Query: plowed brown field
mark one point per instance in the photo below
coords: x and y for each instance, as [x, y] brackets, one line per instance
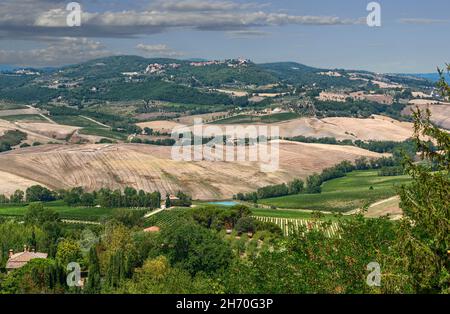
[151, 168]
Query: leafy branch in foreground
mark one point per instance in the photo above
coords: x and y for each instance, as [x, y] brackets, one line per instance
[424, 234]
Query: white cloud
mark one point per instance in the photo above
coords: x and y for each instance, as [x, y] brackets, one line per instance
[58, 52]
[422, 21]
[198, 5]
[246, 34]
[159, 50]
[48, 18]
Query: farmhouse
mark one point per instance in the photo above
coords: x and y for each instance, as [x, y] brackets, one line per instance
[19, 260]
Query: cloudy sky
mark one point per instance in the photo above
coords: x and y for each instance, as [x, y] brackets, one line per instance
[413, 36]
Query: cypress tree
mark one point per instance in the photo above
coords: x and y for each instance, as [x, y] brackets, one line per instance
[94, 280]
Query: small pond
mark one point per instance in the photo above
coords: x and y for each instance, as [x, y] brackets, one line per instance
[224, 203]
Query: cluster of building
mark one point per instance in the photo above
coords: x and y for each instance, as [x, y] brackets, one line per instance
[230, 62]
[26, 72]
[156, 68]
[206, 63]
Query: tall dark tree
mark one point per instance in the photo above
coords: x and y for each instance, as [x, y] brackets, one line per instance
[94, 278]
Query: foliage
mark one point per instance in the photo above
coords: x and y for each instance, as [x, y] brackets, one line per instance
[93, 285]
[14, 235]
[246, 224]
[68, 251]
[313, 263]
[158, 276]
[424, 237]
[38, 215]
[195, 249]
[11, 138]
[37, 193]
[36, 277]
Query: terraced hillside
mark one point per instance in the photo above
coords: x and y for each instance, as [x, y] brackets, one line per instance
[151, 168]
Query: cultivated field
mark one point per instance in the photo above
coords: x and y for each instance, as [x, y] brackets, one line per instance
[376, 128]
[151, 168]
[357, 189]
[440, 113]
[64, 211]
[49, 130]
[390, 206]
[32, 134]
[162, 126]
[25, 111]
[290, 225]
[165, 218]
[189, 120]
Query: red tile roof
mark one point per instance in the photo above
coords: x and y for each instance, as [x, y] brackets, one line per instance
[152, 229]
[19, 260]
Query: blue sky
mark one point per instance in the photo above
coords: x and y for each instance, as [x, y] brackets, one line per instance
[322, 33]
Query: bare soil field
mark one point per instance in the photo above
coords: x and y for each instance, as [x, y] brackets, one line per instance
[155, 115]
[440, 113]
[50, 130]
[376, 128]
[162, 126]
[32, 135]
[236, 93]
[390, 206]
[151, 168]
[10, 182]
[189, 120]
[15, 112]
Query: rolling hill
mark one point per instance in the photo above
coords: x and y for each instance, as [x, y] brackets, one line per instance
[135, 78]
[151, 168]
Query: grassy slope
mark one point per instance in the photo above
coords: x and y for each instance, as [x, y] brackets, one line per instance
[291, 214]
[65, 212]
[343, 194]
[89, 127]
[25, 117]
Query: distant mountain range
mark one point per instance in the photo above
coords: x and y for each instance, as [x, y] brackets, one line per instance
[127, 78]
[11, 68]
[7, 67]
[434, 77]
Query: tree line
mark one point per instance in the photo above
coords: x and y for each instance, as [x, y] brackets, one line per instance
[11, 138]
[314, 182]
[392, 147]
[106, 198]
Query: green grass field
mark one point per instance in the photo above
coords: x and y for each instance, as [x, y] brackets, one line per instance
[11, 106]
[343, 194]
[291, 214]
[25, 117]
[166, 218]
[75, 121]
[89, 127]
[248, 119]
[65, 212]
[103, 132]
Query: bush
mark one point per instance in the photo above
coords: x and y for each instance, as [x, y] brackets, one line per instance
[37, 193]
[246, 224]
